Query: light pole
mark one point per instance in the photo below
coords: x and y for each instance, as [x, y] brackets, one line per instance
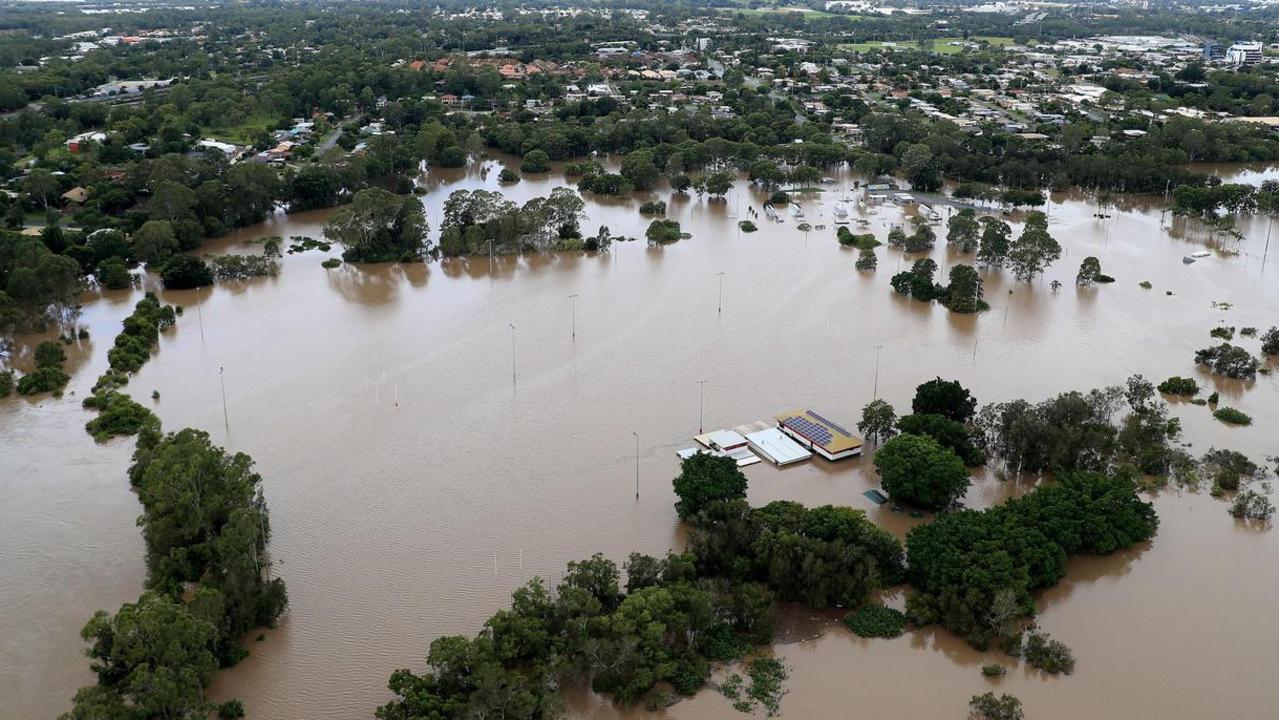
[876, 391]
[573, 301]
[512, 353]
[226, 419]
[719, 307]
[701, 394]
[636, 464]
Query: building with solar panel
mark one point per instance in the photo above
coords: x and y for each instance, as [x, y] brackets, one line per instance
[826, 438]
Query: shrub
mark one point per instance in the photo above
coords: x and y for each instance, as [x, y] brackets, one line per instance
[779, 198]
[508, 176]
[1270, 342]
[113, 275]
[1229, 360]
[1231, 416]
[1051, 656]
[183, 272]
[994, 670]
[1176, 385]
[1252, 505]
[866, 260]
[876, 621]
[43, 380]
[1225, 333]
[119, 414]
[989, 707]
[6, 383]
[661, 232]
[654, 207]
[1145, 284]
[49, 354]
[331, 263]
[230, 710]
[747, 226]
[243, 267]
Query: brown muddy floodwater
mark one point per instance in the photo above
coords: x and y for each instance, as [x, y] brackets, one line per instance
[413, 484]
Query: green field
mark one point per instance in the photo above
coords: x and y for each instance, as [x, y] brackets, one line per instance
[943, 46]
[242, 133]
[808, 13]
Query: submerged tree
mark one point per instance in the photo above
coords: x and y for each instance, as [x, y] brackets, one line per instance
[963, 230]
[994, 242]
[379, 226]
[878, 421]
[964, 294]
[1034, 250]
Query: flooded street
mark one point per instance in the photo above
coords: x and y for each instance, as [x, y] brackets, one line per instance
[421, 458]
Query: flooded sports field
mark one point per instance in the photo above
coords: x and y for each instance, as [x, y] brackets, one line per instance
[432, 435]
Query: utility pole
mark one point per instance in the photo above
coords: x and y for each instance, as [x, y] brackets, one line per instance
[701, 394]
[636, 464]
[512, 353]
[720, 302]
[876, 391]
[226, 419]
[199, 313]
[573, 301]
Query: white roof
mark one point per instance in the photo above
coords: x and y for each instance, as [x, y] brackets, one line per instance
[778, 448]
[726, 439]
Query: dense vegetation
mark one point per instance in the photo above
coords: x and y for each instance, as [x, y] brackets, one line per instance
[208, 583]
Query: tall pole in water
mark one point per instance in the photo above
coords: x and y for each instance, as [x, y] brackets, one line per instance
[719, 307]
[876, 391]
[226, 419]
[636, 464]
[701, 394]
[512, 353]
[573, 300]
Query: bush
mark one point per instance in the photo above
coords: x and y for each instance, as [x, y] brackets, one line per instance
[1225, 333]
[118, 414]
[876, 621]
[994, 670]
[230, 710]
[43, 380]
[779, 198]
[49, 354]
[535, 161]
[747, 226]
[863, 241]
[243, 267]
[917, 470]
[331, 263]
[1229, 360]
[1176, 385]
[989, 707]
[6, 383]
[661, 232]
[508, 176]
[1145, 284]
[1051, 656]
[1252, 505]
[183, 272]
[866, 260]
[1231, 416]
[655, 207]
[1270, 342]
[113, 275]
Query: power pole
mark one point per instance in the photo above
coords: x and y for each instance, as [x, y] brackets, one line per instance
[512, 353]
[226, 419]
[876, 391]
[636, 464]
[719, 308]
[701, 404]
[573, 301]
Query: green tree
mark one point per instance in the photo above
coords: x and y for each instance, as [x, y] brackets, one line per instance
[183, 272]
[963, 230]
[1034, 250]
[640, 171]
[535, 161]
[964, 294]
[113, 274]
[704, 479]
[994, 242]
[878, 421]
[916, 470]
[946, 398]
[379, 226]
[154, 242]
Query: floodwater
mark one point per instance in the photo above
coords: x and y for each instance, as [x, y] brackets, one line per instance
[422, 458]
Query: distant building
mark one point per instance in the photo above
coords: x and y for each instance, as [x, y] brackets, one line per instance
[1214, 50]
[703, 44]
[1241, 54]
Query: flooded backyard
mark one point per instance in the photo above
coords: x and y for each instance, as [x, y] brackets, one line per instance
[422, 458]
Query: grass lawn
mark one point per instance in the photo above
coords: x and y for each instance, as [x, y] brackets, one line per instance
[942, 46]
[808, 14]
[242, 133]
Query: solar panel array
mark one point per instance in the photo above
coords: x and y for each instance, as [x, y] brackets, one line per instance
[821, 419]
[809, 429]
